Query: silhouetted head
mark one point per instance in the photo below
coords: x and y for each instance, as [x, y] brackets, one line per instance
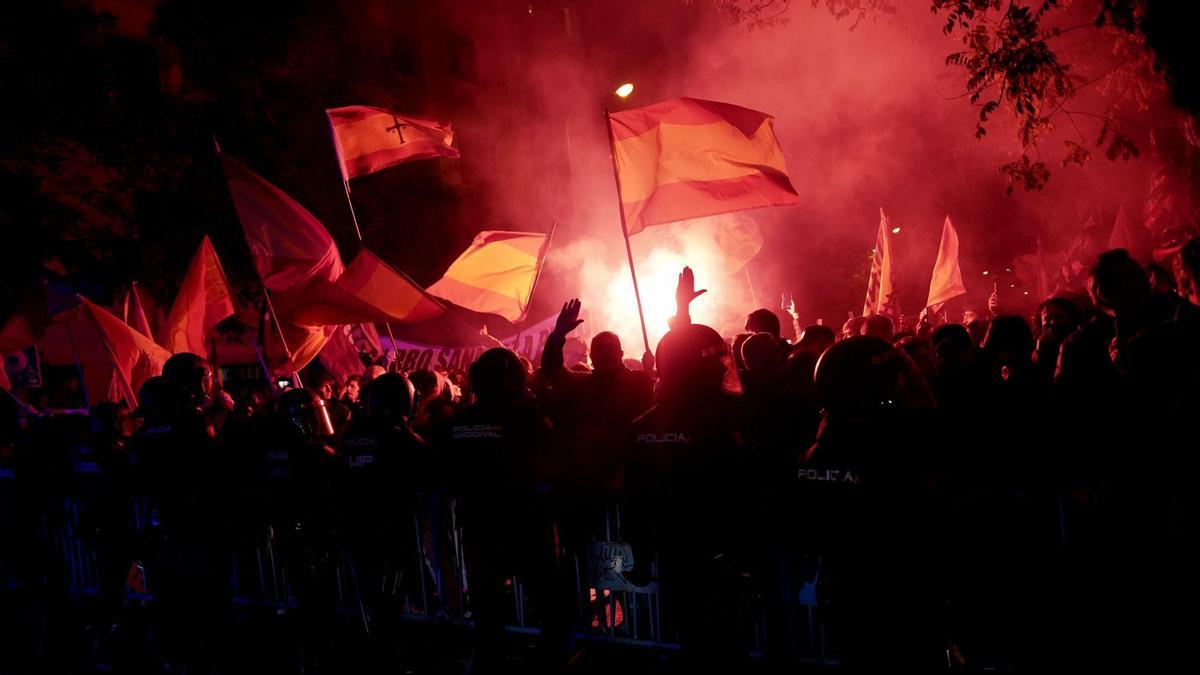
[865, 375]
[152, 397]
[190, 377]
[853, 326]
[1059, 317]
[691, 361]
[1117, 282]
[325, 385]
[760, 353]
[498, 376]
[1009, 340]
[606, 352]
[878, 325]
[353, 388]
[763, 321]
[390, 396]
[815, 338]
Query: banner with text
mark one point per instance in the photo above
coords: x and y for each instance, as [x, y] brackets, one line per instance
[416, 356]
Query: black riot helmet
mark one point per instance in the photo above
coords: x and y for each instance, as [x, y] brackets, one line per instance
[866, 374]
[191, 378]
[303, 411]
[692, 359]
[390, 396]
[497, 376]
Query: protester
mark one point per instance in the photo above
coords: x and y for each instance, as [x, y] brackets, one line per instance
[922, 490]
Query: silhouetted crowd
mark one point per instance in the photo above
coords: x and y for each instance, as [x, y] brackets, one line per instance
[1017, 493]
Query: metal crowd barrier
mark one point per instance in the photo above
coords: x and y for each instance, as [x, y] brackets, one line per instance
[608, 608]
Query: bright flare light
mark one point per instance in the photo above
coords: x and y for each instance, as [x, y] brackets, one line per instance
[625, 90]
[895, 230]
[658, 273]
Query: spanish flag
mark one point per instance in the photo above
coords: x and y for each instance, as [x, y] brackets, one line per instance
[371, 139]
[368, 291]
[495, 274]
[688, 158]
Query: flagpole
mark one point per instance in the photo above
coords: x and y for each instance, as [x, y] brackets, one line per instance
[350, 202]
[258, 345]
[753, 295]
[282, 339]
[537, 275]
[353, 215]
[637, 294]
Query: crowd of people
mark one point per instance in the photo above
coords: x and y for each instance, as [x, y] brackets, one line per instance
[1012, 493]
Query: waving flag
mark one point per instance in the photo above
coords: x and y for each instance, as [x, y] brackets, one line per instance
[370, 139]
[288, 244]
[495, 274]
[290, 248]
[947, 282]
[881, 289]
[203, 301]
[688, 158]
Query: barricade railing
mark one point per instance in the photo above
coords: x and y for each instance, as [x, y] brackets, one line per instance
[431, 579]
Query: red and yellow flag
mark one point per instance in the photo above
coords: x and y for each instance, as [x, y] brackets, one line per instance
[203, 301]
[947, 282]
[688, 158]
[495, 274]
[370, 139]
[374, 282]
[881, 288]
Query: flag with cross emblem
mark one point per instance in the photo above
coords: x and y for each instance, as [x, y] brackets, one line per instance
[370, 139]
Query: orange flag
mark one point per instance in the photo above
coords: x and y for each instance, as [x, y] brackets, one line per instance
[495, 274]
[116, 359]
[288, 244]
[203, 301]
[688, 158]
[370, 139]
[947, 282]
[881, 289]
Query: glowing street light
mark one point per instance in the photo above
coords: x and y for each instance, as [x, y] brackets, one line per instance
[895, 230]
[624, 90]
[985, 273]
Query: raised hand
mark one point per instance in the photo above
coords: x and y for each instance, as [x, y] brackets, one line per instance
[789, 306]
[568, 318]
[685, 290]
